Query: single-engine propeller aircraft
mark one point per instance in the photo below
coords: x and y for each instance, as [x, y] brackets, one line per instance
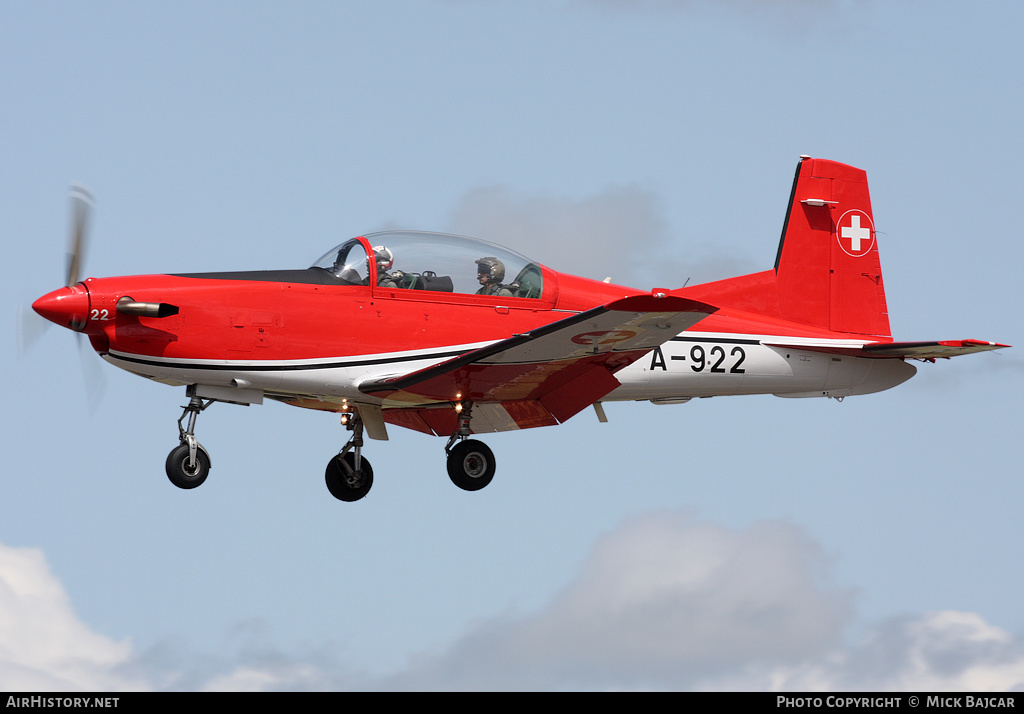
[454, 336]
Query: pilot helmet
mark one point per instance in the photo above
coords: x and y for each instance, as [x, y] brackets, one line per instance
[493, 268]
[384, 257]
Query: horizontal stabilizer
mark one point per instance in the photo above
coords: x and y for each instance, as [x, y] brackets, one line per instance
[892, 350]
[930, 350]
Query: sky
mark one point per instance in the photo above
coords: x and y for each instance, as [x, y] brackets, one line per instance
[748, 543]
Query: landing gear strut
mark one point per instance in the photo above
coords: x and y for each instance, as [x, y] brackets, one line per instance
[188, 464]
[349, 476]
[470, 462]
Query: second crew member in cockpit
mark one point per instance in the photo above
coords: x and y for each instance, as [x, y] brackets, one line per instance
[489, 273]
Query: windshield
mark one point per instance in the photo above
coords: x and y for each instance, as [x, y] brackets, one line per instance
[414, 260]
[346, 261]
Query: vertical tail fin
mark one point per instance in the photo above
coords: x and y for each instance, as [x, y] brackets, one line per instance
[827, 271]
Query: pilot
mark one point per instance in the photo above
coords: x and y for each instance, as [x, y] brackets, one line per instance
[489, 273]
[385, 259]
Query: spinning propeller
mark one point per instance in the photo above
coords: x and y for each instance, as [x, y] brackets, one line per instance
[81, 208]
[68, 306]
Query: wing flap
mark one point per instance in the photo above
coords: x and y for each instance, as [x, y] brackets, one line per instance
[487, 418]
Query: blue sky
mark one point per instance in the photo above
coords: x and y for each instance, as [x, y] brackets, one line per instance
[749, 543]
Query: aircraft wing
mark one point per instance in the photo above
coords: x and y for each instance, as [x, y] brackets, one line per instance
[906, 350]
[543, 376]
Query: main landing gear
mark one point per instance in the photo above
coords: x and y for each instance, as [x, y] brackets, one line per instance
[188, 464]
[470, 462]
[349, 476]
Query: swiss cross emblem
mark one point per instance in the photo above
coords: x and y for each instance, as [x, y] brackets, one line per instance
[856, 233]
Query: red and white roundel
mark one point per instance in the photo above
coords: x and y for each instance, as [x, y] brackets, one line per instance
[605, 337]
[856, 233]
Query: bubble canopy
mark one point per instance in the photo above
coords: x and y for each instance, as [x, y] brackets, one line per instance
[432, 261]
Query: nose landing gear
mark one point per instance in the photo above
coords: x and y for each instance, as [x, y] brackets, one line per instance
[188, 464]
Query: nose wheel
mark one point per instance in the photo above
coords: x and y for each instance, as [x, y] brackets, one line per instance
[185, 470]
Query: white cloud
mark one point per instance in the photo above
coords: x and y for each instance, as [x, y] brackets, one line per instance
[937, 651]
[664, 601]
[284, 675]
[43, 645]
[670, 602]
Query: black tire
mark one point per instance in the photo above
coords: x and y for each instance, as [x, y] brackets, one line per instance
[337, 475]
[471, 465]
[178, 470]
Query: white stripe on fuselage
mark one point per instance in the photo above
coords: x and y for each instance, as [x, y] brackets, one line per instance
[692, 364]
[328, 376]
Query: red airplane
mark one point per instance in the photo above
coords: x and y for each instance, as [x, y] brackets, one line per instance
[454, 336]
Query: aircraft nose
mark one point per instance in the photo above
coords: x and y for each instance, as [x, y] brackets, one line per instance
[68, 307]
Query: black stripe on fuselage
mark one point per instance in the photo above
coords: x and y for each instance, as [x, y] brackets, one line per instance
[240, 367]
[719, 340]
